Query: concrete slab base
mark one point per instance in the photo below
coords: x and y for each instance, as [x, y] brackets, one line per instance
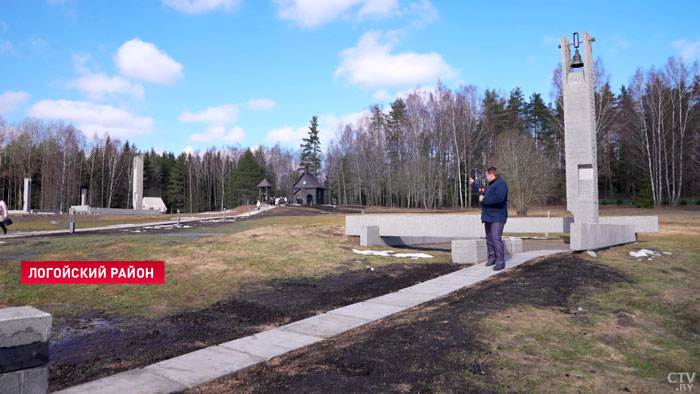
[592, 236]
[469, 251]
[369, 236]
[26, 381]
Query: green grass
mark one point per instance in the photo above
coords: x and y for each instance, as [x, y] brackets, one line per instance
[637, 332]
[198, 272]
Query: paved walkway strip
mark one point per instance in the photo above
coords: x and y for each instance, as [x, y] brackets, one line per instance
[171, 222]
[192, 369]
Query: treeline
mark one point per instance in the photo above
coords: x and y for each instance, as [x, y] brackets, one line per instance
[60, 161]
[422, 151]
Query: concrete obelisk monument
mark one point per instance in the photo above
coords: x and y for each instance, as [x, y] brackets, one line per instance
[138, 182]
[578, 85]
[578, 90]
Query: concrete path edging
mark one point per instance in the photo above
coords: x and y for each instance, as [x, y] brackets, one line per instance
[194, 368]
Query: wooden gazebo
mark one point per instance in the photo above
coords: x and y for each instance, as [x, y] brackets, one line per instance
[264, 190]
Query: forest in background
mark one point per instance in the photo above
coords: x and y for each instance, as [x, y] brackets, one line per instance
[419, 152]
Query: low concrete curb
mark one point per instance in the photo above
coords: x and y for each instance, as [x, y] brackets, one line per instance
[195, 368]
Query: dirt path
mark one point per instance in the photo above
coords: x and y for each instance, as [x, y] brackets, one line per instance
[437, 347]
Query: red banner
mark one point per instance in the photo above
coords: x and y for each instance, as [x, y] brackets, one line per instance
[93, 272]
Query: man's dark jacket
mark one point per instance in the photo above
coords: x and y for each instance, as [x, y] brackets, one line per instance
[494, 207]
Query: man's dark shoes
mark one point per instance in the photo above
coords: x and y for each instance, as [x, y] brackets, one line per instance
[499, 267]
[490, 263]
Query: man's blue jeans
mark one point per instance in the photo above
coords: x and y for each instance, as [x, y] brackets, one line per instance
[494, 231]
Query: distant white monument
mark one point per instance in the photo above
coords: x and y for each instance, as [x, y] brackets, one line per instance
[138, 182]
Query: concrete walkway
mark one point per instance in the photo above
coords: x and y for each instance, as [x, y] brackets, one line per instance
[195, 368]
[171, 222]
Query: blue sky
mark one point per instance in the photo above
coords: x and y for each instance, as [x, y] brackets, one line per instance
[189, 74]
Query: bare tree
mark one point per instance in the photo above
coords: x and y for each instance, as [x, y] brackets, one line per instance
[525, 168]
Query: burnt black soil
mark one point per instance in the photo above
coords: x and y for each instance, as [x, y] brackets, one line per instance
[94, 346]
[437, 347]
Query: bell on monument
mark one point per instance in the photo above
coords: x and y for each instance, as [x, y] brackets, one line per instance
[577, 62]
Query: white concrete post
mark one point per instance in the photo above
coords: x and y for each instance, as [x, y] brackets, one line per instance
[138, 182]
[83, 197]
[27, 194]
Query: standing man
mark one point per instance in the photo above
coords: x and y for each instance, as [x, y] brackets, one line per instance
[494, 213]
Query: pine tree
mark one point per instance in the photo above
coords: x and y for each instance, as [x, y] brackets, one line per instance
[243, 183]
[175, 192]
[311, 149]
[515, 111]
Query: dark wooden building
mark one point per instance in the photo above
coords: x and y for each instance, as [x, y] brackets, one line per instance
[307, 190]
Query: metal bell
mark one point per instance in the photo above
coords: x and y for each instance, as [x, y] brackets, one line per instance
[577, 62]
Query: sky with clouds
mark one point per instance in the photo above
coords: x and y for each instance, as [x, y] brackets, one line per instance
[185, 75]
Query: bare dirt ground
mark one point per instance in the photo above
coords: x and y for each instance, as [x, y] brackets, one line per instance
[437, 347]
[93, 346]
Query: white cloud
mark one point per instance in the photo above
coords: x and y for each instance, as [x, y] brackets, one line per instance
[261, 104]
[425, 12]
[287, 134]
[422, 91]
[370, 64]
[202, 6]
[381, 95]
[6, 46]
[143, 60]
[219, 134]
[221, 115]
[93, 118]
[97, 86]
[9, 101]
[328, 125]
[314, 13]
[689, 50]
[188, 150]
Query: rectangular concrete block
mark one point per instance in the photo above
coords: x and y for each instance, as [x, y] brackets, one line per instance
[513, 245]
[367, 310]
[469, 251]
[642, 224]
[271, 343]
[418, 225]
[11, 382]
[325, 325]
[203, 365]
[369, 236]
[592, 236]
[23, 325]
